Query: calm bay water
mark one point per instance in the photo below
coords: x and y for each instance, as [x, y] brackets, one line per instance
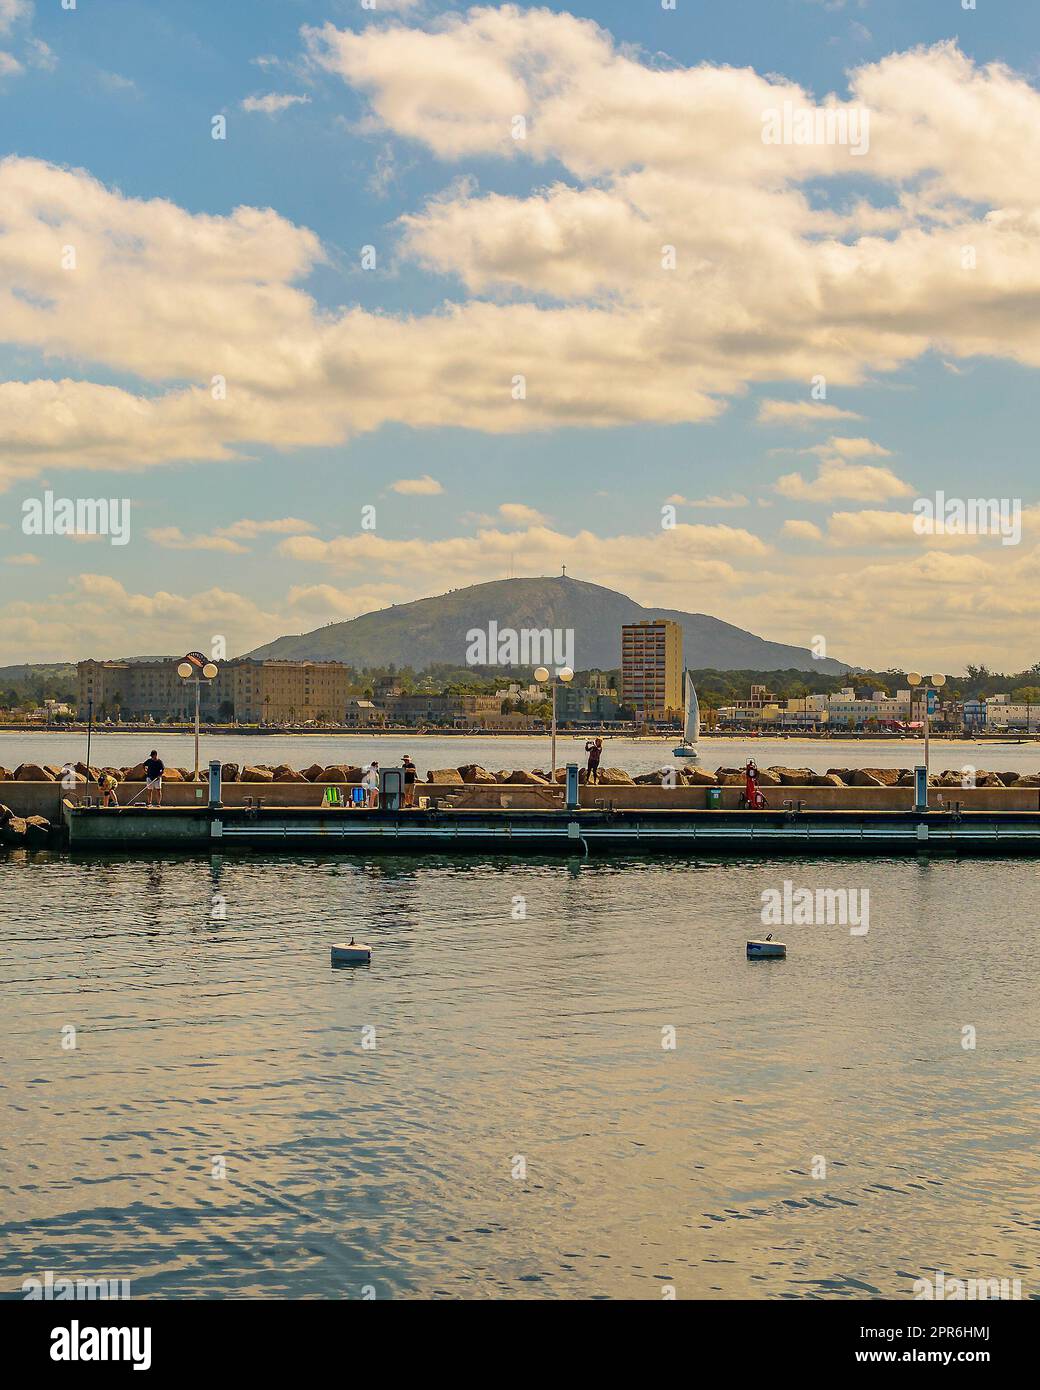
[200, 1038]
[631, 754]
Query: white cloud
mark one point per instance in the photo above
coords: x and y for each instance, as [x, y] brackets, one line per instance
[802, 414]
[802, 530]
[26, 558]
[417, 487]
[735, 499]
[172, 538]
[12, 11]
[274, 102]
[834, 480]
[518, 514]
[769, 285]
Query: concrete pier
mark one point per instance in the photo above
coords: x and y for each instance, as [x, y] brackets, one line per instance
[583, 832]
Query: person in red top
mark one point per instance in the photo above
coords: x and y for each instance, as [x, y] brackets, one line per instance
[752, 795]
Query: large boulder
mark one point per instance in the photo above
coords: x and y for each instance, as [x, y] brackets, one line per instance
[229, 772]
[37, 830]
[614, 777]
[314, 772]
[329, 774]
[450, 775]
[473, 772]
[697, 777]
[33, 772]
[729, 779]
[134, 774]
[5, 814]
[12, 831]
[769, 779]
[843, 772]
[53, 769]
[115, 772]
[1031, 779]
[859, 777]
[4, 774]
[1008, 779]
[520, 778]
[256, 774]
[174, 774]
[884, 776]
[826, 779]
[793, 776]
[289, 775]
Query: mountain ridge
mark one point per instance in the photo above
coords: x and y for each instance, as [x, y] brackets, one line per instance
[433, 630]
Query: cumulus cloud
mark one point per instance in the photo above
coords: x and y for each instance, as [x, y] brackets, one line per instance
[681, 259]
[834, 480]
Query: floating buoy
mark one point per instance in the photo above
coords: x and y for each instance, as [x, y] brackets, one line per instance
[767, 949]
[351, 953]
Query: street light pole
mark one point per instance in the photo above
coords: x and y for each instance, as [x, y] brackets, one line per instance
[566, 675]
[195, 667]
[914, 679]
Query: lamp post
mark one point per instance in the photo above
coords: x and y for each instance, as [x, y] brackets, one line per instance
[927, 683]
[196, 668]
[566, 675]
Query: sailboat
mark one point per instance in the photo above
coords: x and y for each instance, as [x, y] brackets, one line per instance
[691, 724]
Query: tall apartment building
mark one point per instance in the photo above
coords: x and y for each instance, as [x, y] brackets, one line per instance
[252, 692]
[652, 667]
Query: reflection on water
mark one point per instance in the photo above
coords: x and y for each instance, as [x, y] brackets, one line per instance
[505, 1040]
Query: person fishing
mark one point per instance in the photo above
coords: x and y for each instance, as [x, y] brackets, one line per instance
[107, 786]
[154, 767]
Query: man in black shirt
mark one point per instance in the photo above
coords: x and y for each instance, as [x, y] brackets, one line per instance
[409, 780]
[154, 767]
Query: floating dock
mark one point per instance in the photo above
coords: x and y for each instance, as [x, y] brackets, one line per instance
[583, 832]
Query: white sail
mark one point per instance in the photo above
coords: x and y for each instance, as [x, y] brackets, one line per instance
[692, 722]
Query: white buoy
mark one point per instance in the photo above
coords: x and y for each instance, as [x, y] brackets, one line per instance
[767, 949]
[351, 953]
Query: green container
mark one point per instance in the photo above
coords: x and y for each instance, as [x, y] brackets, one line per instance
[714, 798]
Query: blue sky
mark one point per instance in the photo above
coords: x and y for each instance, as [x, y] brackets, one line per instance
[126, 93]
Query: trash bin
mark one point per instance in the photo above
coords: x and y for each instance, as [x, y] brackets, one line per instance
[714, 798]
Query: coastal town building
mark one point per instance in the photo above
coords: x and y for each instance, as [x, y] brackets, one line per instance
[249, 691]
[1001, 712]
[363, 714]
[652, 668]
